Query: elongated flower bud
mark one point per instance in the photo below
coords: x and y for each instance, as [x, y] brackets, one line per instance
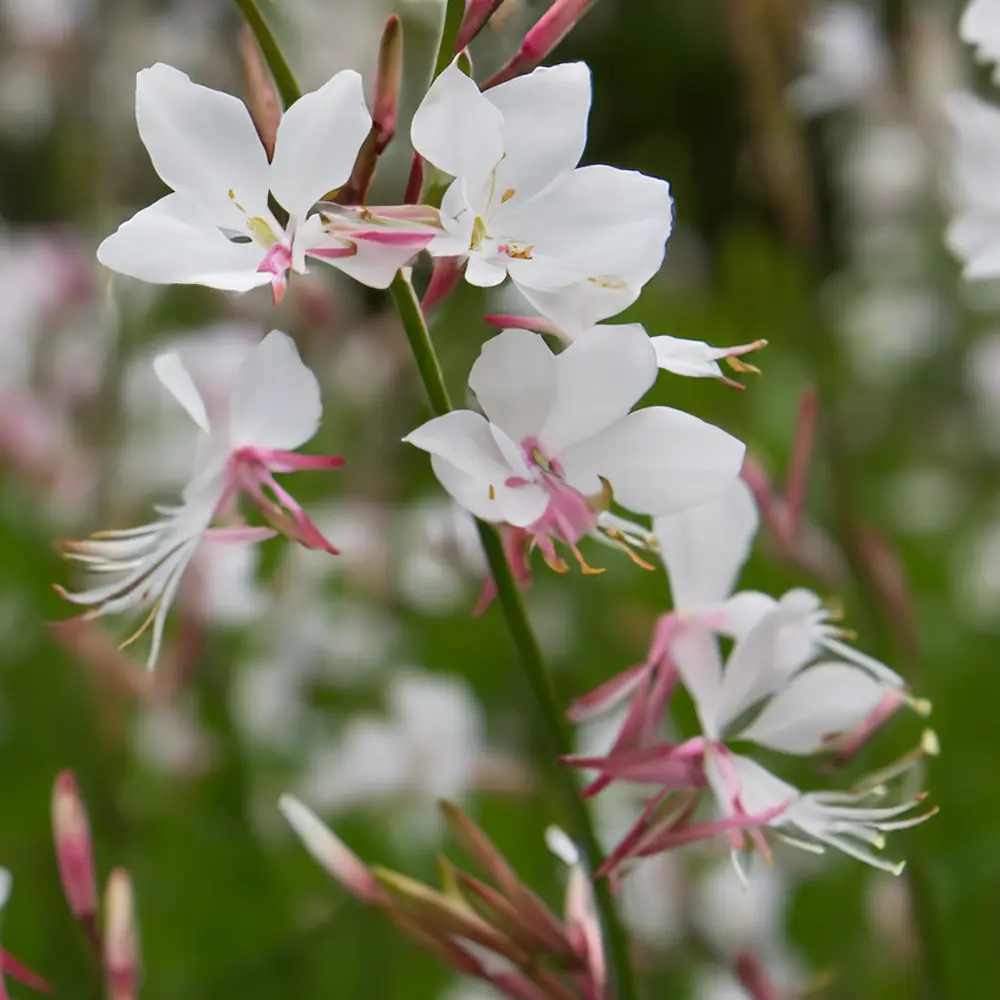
[262, 99]
[476, 15]
[550, 29]
[339, 862]
[121, 943]
[388, 81]
[74, 851]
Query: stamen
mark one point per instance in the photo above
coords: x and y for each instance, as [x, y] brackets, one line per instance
[142, 628]
[507, 195]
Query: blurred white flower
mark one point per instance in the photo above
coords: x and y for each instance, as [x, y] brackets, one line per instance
[924, 501]
[846, 58]
[44, 23]
[228, 591]
[975, 568]
[27, 98]
[886, 166]
[980, 26]
[423, 749]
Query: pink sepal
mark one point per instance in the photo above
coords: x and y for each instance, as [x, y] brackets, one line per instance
[10, 966]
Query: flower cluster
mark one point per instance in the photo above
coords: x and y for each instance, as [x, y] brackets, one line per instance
[791, 683]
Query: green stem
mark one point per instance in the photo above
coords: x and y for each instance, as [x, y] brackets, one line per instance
[284, 78]
[621, 975]
[453, 15]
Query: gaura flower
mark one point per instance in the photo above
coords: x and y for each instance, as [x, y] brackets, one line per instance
[217, 228]
[558, 440]
[761, 698]
[569, 237]
[274, 407]
[974, 232]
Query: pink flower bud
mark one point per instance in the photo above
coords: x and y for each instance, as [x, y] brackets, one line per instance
[74, 852]
[550, 29]
[388, 80]
[753, 978]
[477, 14]
[262, 98]
[121, 945]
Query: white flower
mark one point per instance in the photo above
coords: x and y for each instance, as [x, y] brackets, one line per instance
[846, 55]
[980, 26]
[216, 229]
[273, 408]
[579, 242]
[704, 550]
[558, 437]
[974, 233]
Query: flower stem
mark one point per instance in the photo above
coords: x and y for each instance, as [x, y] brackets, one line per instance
[622, 979]
[453, 15]
[284, 78]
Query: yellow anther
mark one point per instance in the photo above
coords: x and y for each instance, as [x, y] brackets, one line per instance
[493, 493]
[507, 195]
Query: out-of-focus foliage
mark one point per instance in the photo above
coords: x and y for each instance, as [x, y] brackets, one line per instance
[363, 683]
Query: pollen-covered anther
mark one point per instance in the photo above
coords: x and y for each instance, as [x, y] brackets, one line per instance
[518, 251]
[507, 195]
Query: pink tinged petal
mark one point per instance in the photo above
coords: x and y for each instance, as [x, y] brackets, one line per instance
[705, 547]
[544, 126]
[203, 144]
[74, 849]
[457, 129]
[177, 380]
[275, 400]
[607, 695]
[667, 765]
[463, 438]
[696, 653]
[318, 141]
[175, 241]
[693, 358]
[466, 490]
[819, 703]
[658, 461]
[242, 534]
[514, 379]
[600, 377]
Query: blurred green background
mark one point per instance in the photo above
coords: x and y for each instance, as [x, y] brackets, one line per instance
[806, 155]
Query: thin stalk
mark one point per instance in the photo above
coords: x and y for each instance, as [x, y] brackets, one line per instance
[453, 15]
[622, 978]
[284, 78]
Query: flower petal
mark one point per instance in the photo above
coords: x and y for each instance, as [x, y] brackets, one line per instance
[658, 461]
[177, 380]
[318, 141]
[704, 547]
[466, 490]
[818, 703]
[463, 438]
[484, 273]
[174, 241]
[577, 307]
[514, 379]
[457, 129]
[203, 144]
[275, 401]
[597, 223]
[696, 653]
[601, 377]
[544, 126]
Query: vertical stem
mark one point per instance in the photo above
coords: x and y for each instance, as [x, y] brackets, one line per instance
[622, 979]
[284, 78]
[453, 15]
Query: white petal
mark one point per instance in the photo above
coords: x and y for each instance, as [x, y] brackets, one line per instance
[596, 223]
[468, 491]
[522, 505]
[484, 273]
[601, 376]
[980, 26]
[373, 264]
[743, 610]
[318, 141]
[275, 401]
[579, 306]
[457, 129]
[544, 126]
[696, 653]
[693, 358]
[752, 671]
[759, 789]
[704, 547]
[202, 143]
[658, 461]
[820, 702]
[175, 242]
[177, 380]
[514, 379]
[6, 884]
[463, 439]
